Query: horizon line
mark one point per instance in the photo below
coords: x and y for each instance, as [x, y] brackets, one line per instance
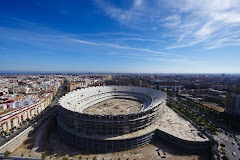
[88, 72]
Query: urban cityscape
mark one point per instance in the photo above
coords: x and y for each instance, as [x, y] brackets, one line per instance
[120, 80]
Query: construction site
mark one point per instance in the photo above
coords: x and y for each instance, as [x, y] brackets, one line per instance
[51, 144]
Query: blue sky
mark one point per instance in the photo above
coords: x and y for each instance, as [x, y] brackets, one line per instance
[145, 36]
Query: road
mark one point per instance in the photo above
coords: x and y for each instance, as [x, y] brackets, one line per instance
[18, 158]
[229, 147]
[232, 148]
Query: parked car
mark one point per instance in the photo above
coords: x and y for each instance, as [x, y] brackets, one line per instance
[234, 153]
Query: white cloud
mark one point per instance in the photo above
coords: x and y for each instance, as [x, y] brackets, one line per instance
[138, 3]
[172, 21]
[189, 22]
[117, 43]
[206, 30]
[135, 17]
[212, 20]
[160, 58]
[118, 46]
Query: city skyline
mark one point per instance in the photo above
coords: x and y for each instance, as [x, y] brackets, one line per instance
[120, 36]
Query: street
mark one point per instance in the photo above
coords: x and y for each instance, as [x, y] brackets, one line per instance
[227, 140]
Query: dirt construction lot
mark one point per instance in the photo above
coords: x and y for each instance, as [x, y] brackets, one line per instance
[114, 107]
[213, 106]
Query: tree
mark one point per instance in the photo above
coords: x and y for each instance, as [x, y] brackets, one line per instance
[20, 83]
[225, 158]
[95, 158]
[65, 158]
[7, 153]
[43, 156]
[57, 155]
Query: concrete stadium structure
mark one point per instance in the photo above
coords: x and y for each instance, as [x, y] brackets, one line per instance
[109, 132]
[91, 120]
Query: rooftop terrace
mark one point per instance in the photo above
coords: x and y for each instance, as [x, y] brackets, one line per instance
[175, 125]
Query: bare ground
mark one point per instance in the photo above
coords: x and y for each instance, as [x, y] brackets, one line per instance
[213, 106]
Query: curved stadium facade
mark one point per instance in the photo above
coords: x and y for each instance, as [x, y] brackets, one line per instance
[110, 118]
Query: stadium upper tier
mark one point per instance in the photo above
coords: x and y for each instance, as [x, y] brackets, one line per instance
[110, 118]
[80, 100]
